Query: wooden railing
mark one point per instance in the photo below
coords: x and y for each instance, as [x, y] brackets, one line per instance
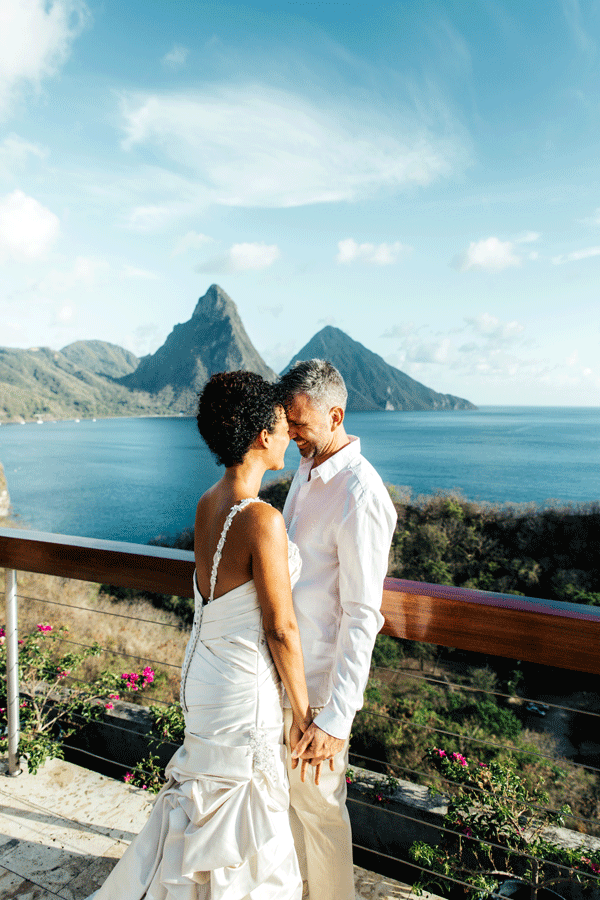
[566, 635]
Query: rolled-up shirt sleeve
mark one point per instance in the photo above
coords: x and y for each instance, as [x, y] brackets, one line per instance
[364, 539]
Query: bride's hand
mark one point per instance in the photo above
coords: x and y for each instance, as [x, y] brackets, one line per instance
[296, 735]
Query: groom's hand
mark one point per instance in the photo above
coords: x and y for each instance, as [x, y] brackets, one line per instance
[315, 747]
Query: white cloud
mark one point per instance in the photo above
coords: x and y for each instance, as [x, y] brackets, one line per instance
[490, 327]
[190, 241]
[576, 255]
[27, 229]
[491, 254]
[14, 153]
[242, 258]
[151, 217]
[594, 219]
[430, 352]
[274, 311]
[176, 57]
[35, 40]
[83, 274]
[572, 13]
[65, 314]
[378, 254]
[527, 237]
[256, 146]
[399, 331]
[143, 340]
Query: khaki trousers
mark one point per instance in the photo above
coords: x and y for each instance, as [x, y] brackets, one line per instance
[321, 826]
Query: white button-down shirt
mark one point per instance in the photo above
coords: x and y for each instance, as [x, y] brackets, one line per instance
[342, 519]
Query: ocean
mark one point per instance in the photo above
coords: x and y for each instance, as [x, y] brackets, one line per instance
[136, 479]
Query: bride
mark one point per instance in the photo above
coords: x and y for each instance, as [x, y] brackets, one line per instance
[219, 827]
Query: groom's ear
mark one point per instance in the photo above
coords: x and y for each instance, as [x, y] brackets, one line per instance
[336, 417]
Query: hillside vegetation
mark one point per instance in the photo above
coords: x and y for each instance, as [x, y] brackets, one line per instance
[73, 382]
[553, 554]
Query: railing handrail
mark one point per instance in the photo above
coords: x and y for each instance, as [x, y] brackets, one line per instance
[566, 635]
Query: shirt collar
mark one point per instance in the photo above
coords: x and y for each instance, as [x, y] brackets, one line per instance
[334, 464]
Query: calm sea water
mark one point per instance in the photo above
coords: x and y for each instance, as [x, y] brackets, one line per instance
[133, 479]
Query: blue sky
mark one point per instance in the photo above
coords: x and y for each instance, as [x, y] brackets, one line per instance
[425, 176]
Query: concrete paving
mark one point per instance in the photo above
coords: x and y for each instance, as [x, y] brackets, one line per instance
[62, 831]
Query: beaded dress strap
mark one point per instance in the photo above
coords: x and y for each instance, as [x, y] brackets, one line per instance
[218, 552]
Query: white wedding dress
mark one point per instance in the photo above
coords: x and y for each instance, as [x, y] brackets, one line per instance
[219, 829]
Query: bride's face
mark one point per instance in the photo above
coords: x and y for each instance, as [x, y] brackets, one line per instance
[279, 440]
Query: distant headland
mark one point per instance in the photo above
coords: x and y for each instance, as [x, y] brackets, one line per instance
[98, 379]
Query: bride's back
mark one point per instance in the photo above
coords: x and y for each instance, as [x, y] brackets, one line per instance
[235, 567]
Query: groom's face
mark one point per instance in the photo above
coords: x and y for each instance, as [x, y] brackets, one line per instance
[309, 426]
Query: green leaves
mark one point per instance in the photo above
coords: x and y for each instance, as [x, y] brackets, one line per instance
[496, 824]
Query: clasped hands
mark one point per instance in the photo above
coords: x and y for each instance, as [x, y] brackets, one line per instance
[314, 747]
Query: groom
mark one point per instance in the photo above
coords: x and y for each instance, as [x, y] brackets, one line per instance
[340, 515]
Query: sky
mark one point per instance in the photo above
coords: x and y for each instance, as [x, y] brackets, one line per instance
[424, 176]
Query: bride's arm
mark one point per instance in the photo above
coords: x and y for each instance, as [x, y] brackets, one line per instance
[270, 570]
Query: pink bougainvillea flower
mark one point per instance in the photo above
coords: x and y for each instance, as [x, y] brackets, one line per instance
[43, 628]
[109, 706]
[459, 758]
[113, 696]
[128, 777]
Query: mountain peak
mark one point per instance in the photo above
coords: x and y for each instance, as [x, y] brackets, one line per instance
[215, 303]
[372, 383]
[213, 340]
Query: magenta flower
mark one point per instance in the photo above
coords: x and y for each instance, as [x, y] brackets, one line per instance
[113, 696]
[459, 758]
[440, 753]
[44, 629]
[109, 706]
[127, 777]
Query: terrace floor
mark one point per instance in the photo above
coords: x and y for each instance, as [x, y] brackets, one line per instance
[62, 831]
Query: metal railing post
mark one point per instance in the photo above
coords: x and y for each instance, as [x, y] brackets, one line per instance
[12, 672]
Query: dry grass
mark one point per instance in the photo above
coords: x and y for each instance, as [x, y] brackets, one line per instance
[152, 636]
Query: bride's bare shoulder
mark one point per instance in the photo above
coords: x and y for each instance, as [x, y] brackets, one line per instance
[265, 521]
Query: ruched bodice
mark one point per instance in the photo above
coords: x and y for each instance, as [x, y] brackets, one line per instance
[219, 829]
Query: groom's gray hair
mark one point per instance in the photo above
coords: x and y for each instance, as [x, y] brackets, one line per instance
[319, 380]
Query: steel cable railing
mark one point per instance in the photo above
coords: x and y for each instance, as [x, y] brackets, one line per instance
[101, 612]
[420, 775]
[444, 683]
[475, 740]
[443, 829]
[424, 775]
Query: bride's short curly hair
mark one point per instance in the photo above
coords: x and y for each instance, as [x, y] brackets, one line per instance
[233, 408]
